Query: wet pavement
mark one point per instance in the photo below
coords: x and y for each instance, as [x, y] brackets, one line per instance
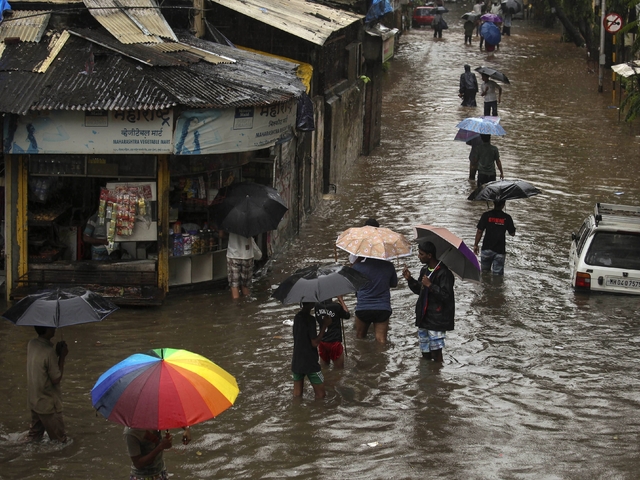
[537, 382]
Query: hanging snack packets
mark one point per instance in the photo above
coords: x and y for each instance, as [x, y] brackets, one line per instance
[102, 207]
[146, 191]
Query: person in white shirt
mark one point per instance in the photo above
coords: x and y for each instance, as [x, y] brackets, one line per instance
[491, 99]
[239, 264]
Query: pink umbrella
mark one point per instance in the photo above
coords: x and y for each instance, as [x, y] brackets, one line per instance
[452, 251]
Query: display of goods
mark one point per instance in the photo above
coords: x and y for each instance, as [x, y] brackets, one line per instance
[178, 245]
[48, 213]
[186, 244]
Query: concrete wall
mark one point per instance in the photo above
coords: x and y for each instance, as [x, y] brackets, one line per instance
[286, 183]
[317, 153]
[343, 128]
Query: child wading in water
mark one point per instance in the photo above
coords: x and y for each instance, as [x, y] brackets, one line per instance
[330, 348]
[305, 351]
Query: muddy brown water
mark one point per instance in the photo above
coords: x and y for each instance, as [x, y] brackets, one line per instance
[537, 382]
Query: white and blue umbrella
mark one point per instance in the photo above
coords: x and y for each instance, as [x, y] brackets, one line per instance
[482, 125]
[473, 138]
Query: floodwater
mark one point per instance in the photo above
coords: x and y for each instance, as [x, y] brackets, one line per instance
[537, 382]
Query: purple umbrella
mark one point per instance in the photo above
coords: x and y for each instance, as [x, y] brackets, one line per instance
[452, 251]
[491, 17]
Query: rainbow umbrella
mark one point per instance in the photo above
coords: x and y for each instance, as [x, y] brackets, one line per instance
[162, 389]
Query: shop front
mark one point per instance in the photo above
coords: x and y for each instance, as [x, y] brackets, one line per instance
[197, 254]
[115, 203]
[87, 187]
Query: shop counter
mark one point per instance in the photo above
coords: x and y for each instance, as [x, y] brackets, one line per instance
[133, 282]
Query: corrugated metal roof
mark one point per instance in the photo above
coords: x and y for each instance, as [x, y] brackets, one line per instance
[158, 55]
[310, 21]
[27, 25]
[56, 2]
[131, 21]
[141, 53]
[88, 76]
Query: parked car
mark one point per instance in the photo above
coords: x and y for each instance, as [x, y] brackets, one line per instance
[605, 253]
[422, 16]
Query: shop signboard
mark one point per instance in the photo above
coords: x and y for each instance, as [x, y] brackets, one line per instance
[78, 132]
[240, 129]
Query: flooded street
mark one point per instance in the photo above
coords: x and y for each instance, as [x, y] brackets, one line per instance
[537, 382]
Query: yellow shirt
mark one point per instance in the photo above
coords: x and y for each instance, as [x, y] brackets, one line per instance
[42, 367]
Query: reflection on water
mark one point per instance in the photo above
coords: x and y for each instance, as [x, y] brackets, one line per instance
[537, 382]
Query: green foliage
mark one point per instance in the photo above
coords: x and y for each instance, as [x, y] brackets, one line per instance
[631, 103]
[386, 66]
[577, 10]
[365, 79]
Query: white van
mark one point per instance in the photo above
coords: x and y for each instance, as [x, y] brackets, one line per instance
[605, 253]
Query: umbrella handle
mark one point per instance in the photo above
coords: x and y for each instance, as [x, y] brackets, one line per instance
[335, 251]
[344, 339]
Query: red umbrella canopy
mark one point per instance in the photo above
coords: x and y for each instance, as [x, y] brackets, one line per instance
[163, 389]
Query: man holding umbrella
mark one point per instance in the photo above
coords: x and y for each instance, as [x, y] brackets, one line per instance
[496, 222]
[45, 366]
[435, 308]
[491, 99]
[486, 158]
[240, 256]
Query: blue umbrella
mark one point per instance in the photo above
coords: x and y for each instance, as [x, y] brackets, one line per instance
[481, 125]
[491, 33]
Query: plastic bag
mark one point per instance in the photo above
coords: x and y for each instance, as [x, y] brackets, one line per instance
[304, 115]
[257, 253]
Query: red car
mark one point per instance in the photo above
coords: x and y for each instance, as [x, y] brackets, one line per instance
[422, 16]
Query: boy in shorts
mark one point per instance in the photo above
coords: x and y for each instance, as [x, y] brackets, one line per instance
[305, 351]
[330, 348]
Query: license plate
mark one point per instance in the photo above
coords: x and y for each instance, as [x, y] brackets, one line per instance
[622, 282]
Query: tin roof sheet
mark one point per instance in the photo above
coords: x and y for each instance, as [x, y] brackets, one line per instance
[310, 21]
[131, 21]
[166, 53]
[88, 76]
[27, 25]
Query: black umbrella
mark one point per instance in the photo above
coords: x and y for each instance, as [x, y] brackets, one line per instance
[60, 308]
[319, 283]
[512, 6]
[493, 73]
[502, 190]
[440, 10]
[248, 209]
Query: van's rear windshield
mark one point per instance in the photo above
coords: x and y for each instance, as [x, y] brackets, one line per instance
[615, 249]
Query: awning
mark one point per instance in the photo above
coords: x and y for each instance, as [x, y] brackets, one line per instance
[628, 69]
[381, 31]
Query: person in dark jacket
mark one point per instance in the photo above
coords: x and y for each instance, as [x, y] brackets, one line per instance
[468, 86]
[435, 308]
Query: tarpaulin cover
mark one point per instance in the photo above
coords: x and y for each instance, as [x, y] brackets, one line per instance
[378, 9]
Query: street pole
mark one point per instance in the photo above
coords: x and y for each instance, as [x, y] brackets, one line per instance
[601, 57]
